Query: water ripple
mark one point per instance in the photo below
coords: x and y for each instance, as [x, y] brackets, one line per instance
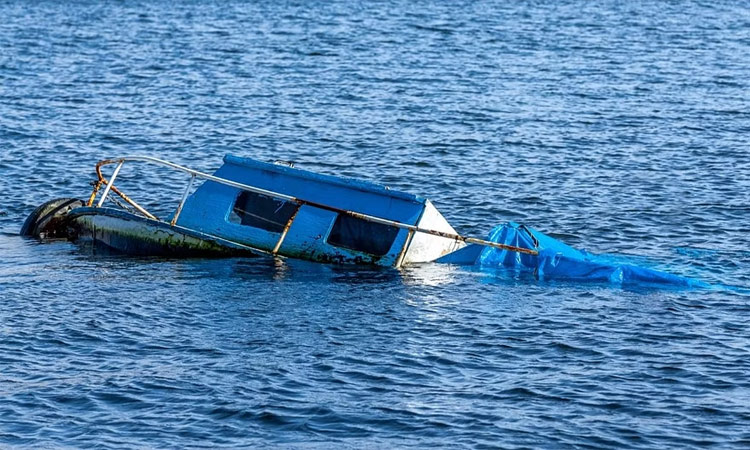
[618, 127]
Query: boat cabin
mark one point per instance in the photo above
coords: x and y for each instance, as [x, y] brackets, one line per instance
[313, 220]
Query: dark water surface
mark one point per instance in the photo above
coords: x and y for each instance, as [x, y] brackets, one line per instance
[621, 127]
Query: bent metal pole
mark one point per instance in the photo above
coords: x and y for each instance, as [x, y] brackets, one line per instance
[366, 217]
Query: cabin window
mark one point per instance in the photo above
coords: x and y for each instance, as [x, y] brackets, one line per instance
[362, 236]
[262, 211]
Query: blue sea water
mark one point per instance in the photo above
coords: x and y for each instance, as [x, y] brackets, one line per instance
[619, 127]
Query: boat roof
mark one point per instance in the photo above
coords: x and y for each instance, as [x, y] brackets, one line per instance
[345, 182]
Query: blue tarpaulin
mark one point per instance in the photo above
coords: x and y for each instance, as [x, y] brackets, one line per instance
[558, 261]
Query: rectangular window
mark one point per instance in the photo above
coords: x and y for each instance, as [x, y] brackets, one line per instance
[261, 211]
[361, 235]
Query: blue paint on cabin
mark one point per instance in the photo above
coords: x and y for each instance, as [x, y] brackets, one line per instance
[220, 210]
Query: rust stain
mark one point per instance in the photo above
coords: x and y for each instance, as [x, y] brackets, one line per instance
[402, 253]
[300, 202]
[286, 230]
[103, 180]
[97, 185]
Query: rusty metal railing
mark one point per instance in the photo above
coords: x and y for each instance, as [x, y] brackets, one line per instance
[109, 187]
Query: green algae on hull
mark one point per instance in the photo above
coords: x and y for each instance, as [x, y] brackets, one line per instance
[146, 237]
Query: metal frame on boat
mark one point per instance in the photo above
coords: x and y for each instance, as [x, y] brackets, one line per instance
[248, 207]
[445, 232]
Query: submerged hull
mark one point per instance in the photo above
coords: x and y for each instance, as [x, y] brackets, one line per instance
[250, 208]
[135, 235]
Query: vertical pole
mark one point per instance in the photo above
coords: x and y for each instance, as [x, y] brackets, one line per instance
[97, 186]
[402, 253]
[182, 201]
[110, 183]
[286, 230]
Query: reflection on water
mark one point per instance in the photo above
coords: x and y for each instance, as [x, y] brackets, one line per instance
[619, 126]
[430, 274]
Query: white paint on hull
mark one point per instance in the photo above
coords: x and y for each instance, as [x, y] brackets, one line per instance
[426, 247]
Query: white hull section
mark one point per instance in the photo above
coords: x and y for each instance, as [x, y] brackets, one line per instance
[426, 247]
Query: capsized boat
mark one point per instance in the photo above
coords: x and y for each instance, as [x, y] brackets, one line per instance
[248, 207]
